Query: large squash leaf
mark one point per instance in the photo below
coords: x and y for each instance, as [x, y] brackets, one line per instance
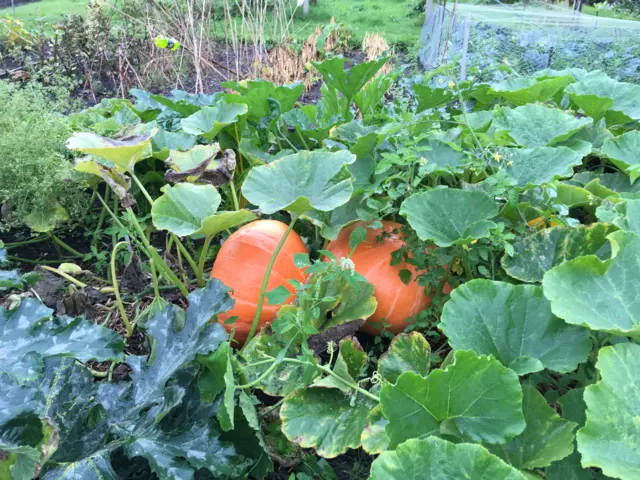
[348, 81]
[609, 439]
[530, 167]
[450, 216]
[514, 323]
[183, 207]
[434, 459]
[474, 397]
[408, 352]
[209, 121]
[28, 335]
[534, 125]
[537, 253]
[301, 182]
[545, 439]
[623, 152]
[123, 153]
[600, 295]
[523, 90]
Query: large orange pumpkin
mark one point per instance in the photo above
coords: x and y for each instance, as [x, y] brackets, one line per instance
[241, 264]
[396, 301]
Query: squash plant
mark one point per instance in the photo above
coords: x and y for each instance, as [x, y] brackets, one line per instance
[510, 213]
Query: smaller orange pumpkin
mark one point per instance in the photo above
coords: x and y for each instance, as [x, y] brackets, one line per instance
[396, 301]
[541, 222]
[241, 264]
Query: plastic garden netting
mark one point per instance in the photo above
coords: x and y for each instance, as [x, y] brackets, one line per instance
[489, 39]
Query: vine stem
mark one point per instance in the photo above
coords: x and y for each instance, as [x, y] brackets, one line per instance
[116, 290]
[265, 281]
[154, 279]
[66, 247]
[185, 254]
[322, 368]
[141, 187]
[234, 195]
[31, 241]
[73, 280]
[203, 259]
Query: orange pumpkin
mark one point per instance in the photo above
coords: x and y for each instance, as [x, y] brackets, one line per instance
[241, 264]
[396, 301]
[541, 222]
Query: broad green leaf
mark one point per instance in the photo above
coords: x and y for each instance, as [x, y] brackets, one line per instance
[374, 438]
[257, 156]
[190, 159]
[214, 224]
[261, 96]
[523, 90]
[123, 153]
[574, 196]
[46, 219]
[301, 182]
[217, 364]
[609, 440]
[209, 121]
[530, 167]
[623, 151]
[625, 215]
[479, 121]
[408, 352]
[444, 157]
[449, 216]
[545, 439]
[96, 467]
[164, 142]
[348, 81]
[18, 462]
[513, 323]
[569, 468]
[13, 279]
[332, 222]
[573, 407]
[429, 97]
[28, 335]
[475, 396]
[598, 95]
[538, 252]
[367, 98]
[436, 459]
[600, 295]
[618, 182]
[536, 125]
[351, 360]
[325, 419]
[183, 207]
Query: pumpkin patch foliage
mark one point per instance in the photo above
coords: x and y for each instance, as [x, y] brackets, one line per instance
[445, 281]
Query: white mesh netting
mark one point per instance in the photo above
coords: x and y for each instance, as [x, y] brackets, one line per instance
[483, 39]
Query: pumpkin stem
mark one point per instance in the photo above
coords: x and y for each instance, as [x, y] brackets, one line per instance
[265, 281]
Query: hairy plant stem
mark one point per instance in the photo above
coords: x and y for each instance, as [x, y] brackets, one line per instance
[265, 281]
[141, 187]
[153, 255]
[185, 254]
[116, 290]
[234, 195]
[41, 239]
[202, 260]
[154, 279]
[66, 247]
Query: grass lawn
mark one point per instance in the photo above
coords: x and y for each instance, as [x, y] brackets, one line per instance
[48, 9]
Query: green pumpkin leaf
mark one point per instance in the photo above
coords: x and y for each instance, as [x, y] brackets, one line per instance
[546, 438]
[46, 219]
[534, 125]
[408, 352]
[474, 395]
[569, 468]
[209, 121]
[600, 295]
[530, 167]
[214, 224]
[374, 438]
[433, 458]
[261, 96]
[96, 467]
[164, 142]
[367, 98]
[123, 153]
[573, 407]
[429, 97]
[301, 182]
[623, 151]
[351, 360]
[348, 81]
[523, 90]
[325, 419]
[28, 335]
[513, 323]
[190, 159]
[449, 216]
[538, 252]
[609, 439]
[183, 208]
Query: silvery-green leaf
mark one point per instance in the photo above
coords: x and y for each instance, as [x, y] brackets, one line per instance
[28, 335]
[301, 182]
[449, 216]
[540, 251]
[513, 323]
[374, 438]
[546, 438]
[475, 396]
[348, 81]
[610, 438]
[183, 207]
[623, 150]
[600, 295]
[436, 459]
[523, 90]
